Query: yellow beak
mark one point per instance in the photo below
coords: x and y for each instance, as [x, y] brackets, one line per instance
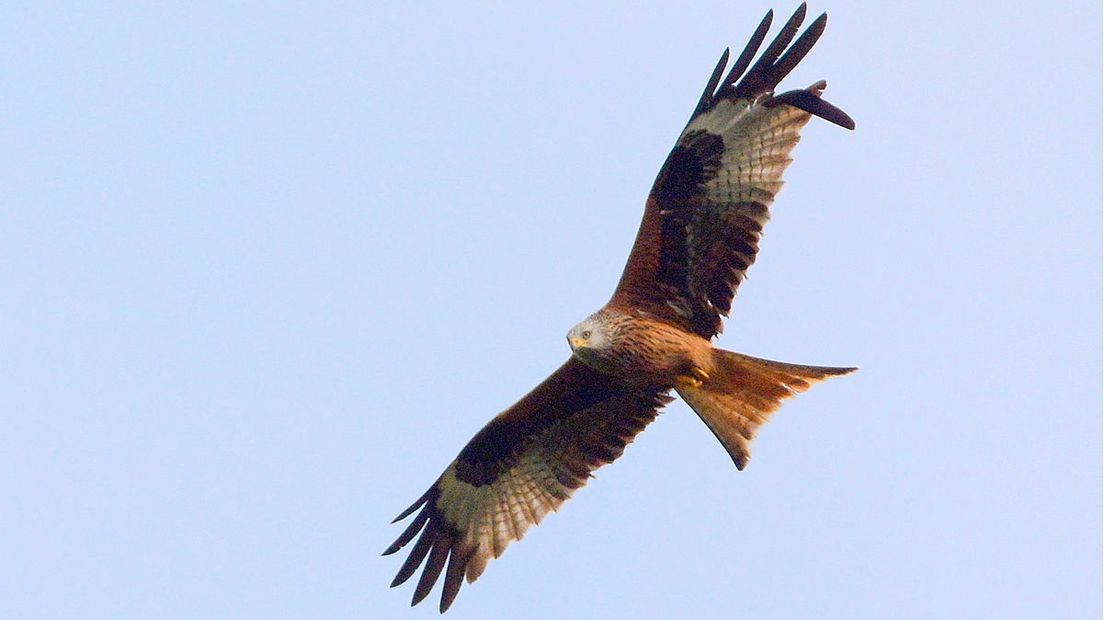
[576, 343]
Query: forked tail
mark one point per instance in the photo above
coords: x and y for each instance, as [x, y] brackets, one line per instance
[742, 392]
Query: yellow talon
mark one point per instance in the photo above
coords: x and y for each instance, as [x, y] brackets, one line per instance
[699, 374]
[696, 377]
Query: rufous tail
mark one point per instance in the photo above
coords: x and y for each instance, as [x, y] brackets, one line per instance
[742, 392]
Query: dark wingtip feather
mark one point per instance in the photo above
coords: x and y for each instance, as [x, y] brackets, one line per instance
[760, 78]
[752, 46]
[454, 577]
[432, 570]
[411, 530]
[417, 504]
[711, 86]
[798, 50]
[801, 10]
[417, 554]
[811, 102]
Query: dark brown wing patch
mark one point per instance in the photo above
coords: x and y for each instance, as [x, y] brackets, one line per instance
[722, 263]
[686, 170]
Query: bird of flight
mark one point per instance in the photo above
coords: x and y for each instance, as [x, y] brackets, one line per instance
[700, 233]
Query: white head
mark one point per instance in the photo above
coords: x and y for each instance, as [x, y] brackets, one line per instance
[591, 336]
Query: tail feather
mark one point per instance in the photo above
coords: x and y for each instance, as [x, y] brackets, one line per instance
[743, 391]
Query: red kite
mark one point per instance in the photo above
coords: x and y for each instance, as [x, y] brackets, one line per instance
[699, 235]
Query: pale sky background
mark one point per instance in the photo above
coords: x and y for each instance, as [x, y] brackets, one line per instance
[264, 269]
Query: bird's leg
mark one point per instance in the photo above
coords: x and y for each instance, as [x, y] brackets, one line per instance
[694, 378]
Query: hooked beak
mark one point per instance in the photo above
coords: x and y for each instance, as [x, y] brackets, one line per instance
[576, 343]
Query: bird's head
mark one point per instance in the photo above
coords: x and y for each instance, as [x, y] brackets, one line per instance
[592, 335]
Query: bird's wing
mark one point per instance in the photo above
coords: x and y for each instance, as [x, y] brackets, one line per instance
[707, 208]
[523, 464]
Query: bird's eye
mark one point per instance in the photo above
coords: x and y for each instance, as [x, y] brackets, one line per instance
[585, 334]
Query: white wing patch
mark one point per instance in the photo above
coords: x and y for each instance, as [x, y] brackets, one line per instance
[491, 516]
[720, 119]
[758, 141]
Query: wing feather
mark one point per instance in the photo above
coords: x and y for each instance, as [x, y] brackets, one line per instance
[748, 54]
[758, 79]
[524, 464]
[707, 209]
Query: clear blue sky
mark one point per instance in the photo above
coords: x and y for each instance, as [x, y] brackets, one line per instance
[265, 269]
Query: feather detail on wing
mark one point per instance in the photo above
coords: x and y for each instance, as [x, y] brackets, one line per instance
[524, 464]
[710, 201]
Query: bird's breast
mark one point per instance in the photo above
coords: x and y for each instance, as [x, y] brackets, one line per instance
[646, 351]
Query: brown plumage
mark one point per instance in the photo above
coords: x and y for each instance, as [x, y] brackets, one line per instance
[700, 233]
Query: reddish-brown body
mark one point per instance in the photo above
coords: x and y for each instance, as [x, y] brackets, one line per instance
[644, 350]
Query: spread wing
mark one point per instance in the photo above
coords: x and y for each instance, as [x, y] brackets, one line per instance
[523, 464]
[708, 206]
